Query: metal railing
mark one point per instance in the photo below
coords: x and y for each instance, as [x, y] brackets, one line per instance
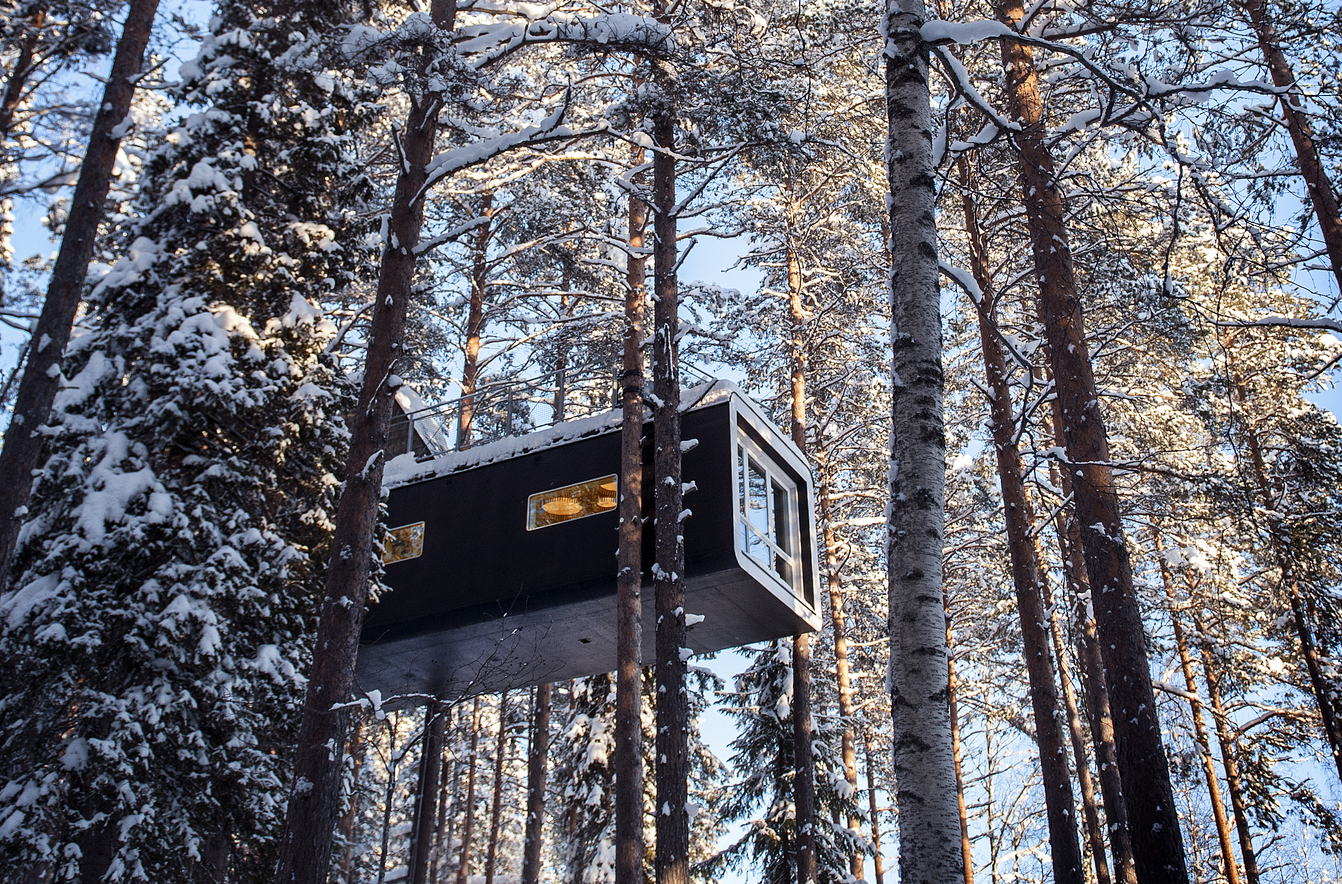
[513, 407]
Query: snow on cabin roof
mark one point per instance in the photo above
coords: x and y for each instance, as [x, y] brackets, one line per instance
[404, 469]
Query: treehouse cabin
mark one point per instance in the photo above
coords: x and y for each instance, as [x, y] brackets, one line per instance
[500, 560]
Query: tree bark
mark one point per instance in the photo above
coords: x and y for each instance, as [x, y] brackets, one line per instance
[20, 72]
[475, 325]
[358, 750]
[424, 823]
[803, 779]
[629, 564]
[1156, 838]
[1229, 755]
[1228, 864]
[671, 861]
[496, 801]
[1320, 189]
[929, 826]
[966, 845]
[1096, 692]
[314, 802]
[468, 814]
[1027, 572]
[878, 867]
[42, 377]
[537, 755]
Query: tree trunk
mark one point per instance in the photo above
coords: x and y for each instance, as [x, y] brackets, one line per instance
[1320, 189]
[1229, 755]
[537, 755]
[358, 751]
[1027, 573]
[929, 822]
[468, 813]
[496, 802]
[1325, 697]
[842, 676]
[1096, 692]
[1228, 864]
[42, 377]
[1156, 838]
[314, 803]
[668, 573]
[803, 780]
[966, 845]
[1094, 831]
[20, 72]
[424, 824]
[629, 565]
[475, 325]
[878, 867]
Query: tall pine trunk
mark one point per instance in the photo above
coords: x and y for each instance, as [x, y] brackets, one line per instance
[475, 325]
[671, 861]
[929, 820]
[1027, 573]
[42, 377]
[424, 824]
[1320, 189]
[957, 752]
[873, 807]
[496, 799]
[629, 564]
[468, 802]
[314, 801]
[1156, 838]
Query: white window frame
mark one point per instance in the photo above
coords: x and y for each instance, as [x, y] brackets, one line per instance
[747, 451]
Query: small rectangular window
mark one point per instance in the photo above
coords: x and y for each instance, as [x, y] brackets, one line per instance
[405, 542]
[590, 498]
[766, 509]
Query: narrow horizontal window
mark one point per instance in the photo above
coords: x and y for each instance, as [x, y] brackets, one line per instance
[590, 498]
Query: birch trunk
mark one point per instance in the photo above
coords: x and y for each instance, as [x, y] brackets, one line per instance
[1156, 838]
[629, 564]
[314, 802]
[929, 820]
[65, 290]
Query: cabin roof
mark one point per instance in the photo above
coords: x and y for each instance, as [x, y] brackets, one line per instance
[405, 469]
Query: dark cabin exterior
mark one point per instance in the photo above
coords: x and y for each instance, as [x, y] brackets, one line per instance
[501, 559]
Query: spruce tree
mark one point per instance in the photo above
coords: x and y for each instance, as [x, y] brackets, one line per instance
[164, 584]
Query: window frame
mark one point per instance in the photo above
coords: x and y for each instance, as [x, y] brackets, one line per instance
[747, 451]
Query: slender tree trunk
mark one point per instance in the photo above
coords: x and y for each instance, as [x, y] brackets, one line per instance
[803, 781]
[878, 867]
[1325, 696]
[929, 824]
[1096, 692]
[42, 377]
[966, 845]
[1156, 838]
[20, 72]
[475, 325]
[671, 861]
[314, 802]
[629, 564]
[496, 802]
[358, 751]
[1229, 755]
[842, 675]
[1027, 573]
[443, 834]
[424, 823]
[1321, 192]
[537, 755]
[468, 814]
[1228, 864]
[1094, 830]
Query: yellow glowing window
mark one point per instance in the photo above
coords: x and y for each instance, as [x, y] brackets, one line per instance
[571, 502]
[405, 542]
